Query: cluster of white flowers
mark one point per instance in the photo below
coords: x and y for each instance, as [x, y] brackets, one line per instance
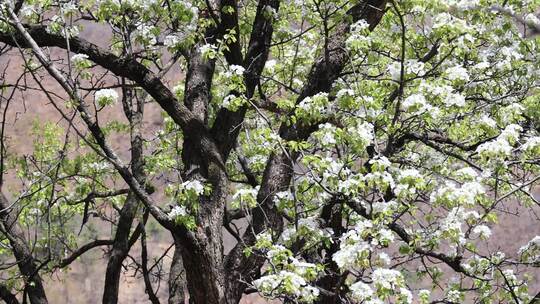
[359, 39]
[310, 229]
[457, 73]
[380, 180]
[360, 26]
[327, 134]
[410, 66]
[414, 66]
[384, 258]
[270, 65]
[244, 192]
[454, 296]
[344, 93]
[502, 145]
[511, 133]
[415, 103]
[362, 134]
[233, 102]
[443, 20]
[193, 185]
[455, 99]
[27, 11]
[78, 58]
[379, 163]
[387, 279]
[246, 196]
[495, 148]
[98, 166]
[409, 174]
[288, 283]
[483, 231]
[145, 34]
[176, 212]
[384, 207]
[445, 92]
[314, 104]
[453, 222]
[208, 51]
[69, 8]
[488, 122]
[234, 70]
[284, 196]
[105, 97]
[361, 291]
[531, 251]
[463, 4]
[270, 11]
[352, 250]
[511, 113]
[394, 69]
[532, 20]
[466, 173]
[424, 295]
[172, 41]
[465, 195]
[531, 144]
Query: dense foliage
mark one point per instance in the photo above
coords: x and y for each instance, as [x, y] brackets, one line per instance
[358, 151]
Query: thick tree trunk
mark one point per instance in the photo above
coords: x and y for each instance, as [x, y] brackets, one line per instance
[177, 277]
[202, 249]
[21, 251]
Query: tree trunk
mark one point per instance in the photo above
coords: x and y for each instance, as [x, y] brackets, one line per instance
[202, 249]
[177, 277]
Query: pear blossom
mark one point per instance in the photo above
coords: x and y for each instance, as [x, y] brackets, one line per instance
[106, 97]
[457, 73]
[177, 211]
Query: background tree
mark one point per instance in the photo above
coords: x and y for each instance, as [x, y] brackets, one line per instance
[357, 151]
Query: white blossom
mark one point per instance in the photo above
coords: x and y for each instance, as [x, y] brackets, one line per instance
[455, 99]
[482, 231]
[531, 251]
[467, 173]
[106, 97]
[171, 41]
[361, 291]
[394, 69]
[176, 212]
[531, 144]
[387, 278]
[296, 285]
[78, 58]
[193, 185]
[457, 73]
[454, 296]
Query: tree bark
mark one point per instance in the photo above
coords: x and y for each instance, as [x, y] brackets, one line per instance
[177, 277]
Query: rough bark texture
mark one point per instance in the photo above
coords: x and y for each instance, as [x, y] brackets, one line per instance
[177, 276]
[202, 249]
